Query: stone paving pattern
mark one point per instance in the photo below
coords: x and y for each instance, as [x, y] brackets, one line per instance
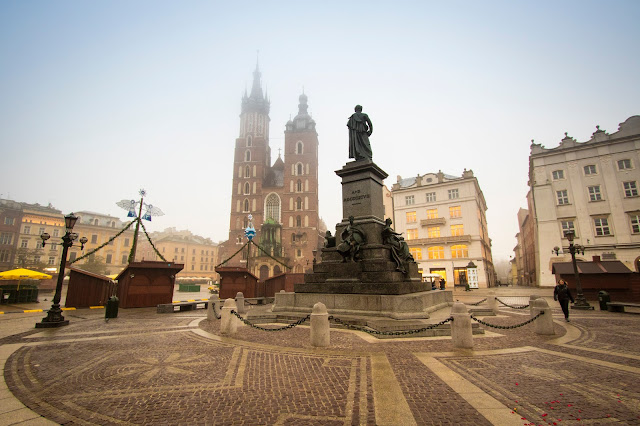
[149, 368]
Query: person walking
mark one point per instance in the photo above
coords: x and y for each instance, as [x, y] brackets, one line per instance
[562, 294]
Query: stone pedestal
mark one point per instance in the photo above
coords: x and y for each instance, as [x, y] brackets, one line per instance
[372, 285]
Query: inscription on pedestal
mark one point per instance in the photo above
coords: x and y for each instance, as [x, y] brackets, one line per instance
[357, 197]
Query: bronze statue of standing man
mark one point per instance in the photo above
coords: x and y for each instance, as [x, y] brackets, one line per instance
[360, 128]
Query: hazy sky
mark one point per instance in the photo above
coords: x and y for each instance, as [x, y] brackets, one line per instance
[101, 98]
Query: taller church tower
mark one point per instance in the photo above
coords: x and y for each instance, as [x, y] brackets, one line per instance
[283, 197]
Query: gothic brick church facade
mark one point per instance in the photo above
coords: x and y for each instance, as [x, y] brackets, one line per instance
[281, 196]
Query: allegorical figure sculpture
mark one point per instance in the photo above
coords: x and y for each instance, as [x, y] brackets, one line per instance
[329, 240]
[352, 239]
[399, 249]
[360, 128]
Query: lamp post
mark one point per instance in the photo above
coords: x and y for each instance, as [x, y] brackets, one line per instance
[581, 302]
[54, 316]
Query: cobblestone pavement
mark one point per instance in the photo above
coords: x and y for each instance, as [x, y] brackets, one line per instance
[149, 368]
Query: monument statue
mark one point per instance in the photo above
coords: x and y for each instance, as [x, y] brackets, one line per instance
[329, 240]
[360, 128]
[352, 239]
[399, 249]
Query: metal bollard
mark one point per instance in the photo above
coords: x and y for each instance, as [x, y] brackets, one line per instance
[461, 334]
[544, 324]
[212, 306]
[240, 303]
[228, 322]
[320, 329]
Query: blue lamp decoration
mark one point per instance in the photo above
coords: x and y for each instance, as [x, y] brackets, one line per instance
[250, 231]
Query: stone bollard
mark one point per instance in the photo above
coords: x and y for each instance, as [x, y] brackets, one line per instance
[492, 302]
[240, 303]
[320, 326]
[228, 322]
[531, 299]
[461, 333]
[212, 307]
[544, 324]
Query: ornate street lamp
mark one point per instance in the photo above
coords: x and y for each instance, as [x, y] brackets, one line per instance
[581, 302]
[54, 316]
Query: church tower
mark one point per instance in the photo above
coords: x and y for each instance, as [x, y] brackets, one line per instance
[252, 159]
[300, 218]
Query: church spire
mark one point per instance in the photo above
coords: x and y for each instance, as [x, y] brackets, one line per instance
[256, 89]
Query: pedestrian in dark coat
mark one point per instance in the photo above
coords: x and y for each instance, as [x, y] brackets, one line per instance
[562, 294]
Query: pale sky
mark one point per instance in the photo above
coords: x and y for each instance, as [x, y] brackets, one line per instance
[99, 99]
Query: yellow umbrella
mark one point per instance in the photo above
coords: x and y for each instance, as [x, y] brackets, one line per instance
[23, 274]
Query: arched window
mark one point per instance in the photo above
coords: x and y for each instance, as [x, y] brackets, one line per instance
[299, 203]
[293, 238]
[299, 147]
[247, 172]
[247, 155]
[247, 188]
[299, 169]
[459, 251]
[436, 252]
[299, 221]
[264, 272]
[245, 205]
[299, 186]
[249, 141]
[245, 223]
[276, 270]
[272, 207]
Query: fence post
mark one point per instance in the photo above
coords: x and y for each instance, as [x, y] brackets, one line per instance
[531, 299]
[461, 333]
[240, 303]
[213, 304]
[544, 324]
[320, 326]
[228, 322]
[492, 302]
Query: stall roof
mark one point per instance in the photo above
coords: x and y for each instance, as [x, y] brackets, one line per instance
[602, 267]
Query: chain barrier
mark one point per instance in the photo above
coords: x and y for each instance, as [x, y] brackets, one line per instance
[388, 333]
[103, 245]
[507, 327]
[232, 256]
[512, 307]
[286, 327]
[216, 312]
[475, 304]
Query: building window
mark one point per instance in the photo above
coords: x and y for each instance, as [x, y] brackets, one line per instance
[175, 250]
[51, 260]
[590, 170]
[5, 238]
[247, 155]
[557, 174]
[298, 203]
[124, 259]
[109, 258]
[416, 253]
[411, 217]
[4, 255]
[56, 232]
[563, 197]
[459, 251]
[567, 225]
[432, 213]
[431, 197]
[9, 221]
[433, 231]
[273, 207]
[635, 223]
[602, 226]
[24, 243]
[299, 185]
[299, 221]
[94, 239]
[436, 252]
[457, 230]
[247, 171]
[73, 256]
[412, 234]
[299, 169]
[299, 147]
[594, 193]
[245, 205]
[453, 194]
[409, 200]
[247, 188]
[630, 189]
[36, 259]
[624, 164]
[27, 230]
[455, 211]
